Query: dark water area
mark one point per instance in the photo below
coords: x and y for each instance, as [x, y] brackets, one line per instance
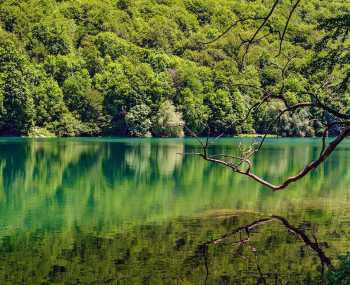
[135, 211]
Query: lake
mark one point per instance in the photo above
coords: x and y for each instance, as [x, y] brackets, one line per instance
[136, 211]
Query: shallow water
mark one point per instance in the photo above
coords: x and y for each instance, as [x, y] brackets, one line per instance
[135, 211]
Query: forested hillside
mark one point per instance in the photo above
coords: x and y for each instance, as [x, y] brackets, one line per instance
[145, 67]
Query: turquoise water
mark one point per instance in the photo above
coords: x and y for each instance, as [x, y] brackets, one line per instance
[153, 206]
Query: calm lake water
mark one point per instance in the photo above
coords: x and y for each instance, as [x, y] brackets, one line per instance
[134, 211]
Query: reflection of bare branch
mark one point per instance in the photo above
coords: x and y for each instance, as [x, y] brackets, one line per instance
[262, 277]
[206, 265]
[314, 245]
[246, 228]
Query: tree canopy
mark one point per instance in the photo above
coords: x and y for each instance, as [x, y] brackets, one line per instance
[162, 67]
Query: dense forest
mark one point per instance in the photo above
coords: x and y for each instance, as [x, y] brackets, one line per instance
[147, 67]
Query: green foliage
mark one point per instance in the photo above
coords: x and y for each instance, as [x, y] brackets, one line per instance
[75, 88]
[93, 61]
[40, 133]
[195, 112]
[331, 62]
[67, 126]
[298, 124]
[168, 122]
[138, 122]
[49, 101]
[17, 106]
[227, 111]
[340, 275]
[51, 37]
[60, 67]
[110, 44]
[202, 9]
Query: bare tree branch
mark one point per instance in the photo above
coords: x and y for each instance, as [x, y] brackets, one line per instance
[286, 25]
[234, 24]
[308, 168]
[242, 163]
[260, 28]
[252, 39]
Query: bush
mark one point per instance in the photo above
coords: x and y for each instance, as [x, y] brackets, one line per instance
[67, 126]
[168, 122]
[138, 122]
[40, 133]
[195, 112]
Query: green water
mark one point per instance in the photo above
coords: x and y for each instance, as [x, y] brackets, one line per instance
[134, 211]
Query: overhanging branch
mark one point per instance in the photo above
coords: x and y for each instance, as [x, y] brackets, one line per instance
[277, 187]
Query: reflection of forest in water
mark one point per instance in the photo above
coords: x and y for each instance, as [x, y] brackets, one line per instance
[173, 253]
[136, 211]
[66, 182]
